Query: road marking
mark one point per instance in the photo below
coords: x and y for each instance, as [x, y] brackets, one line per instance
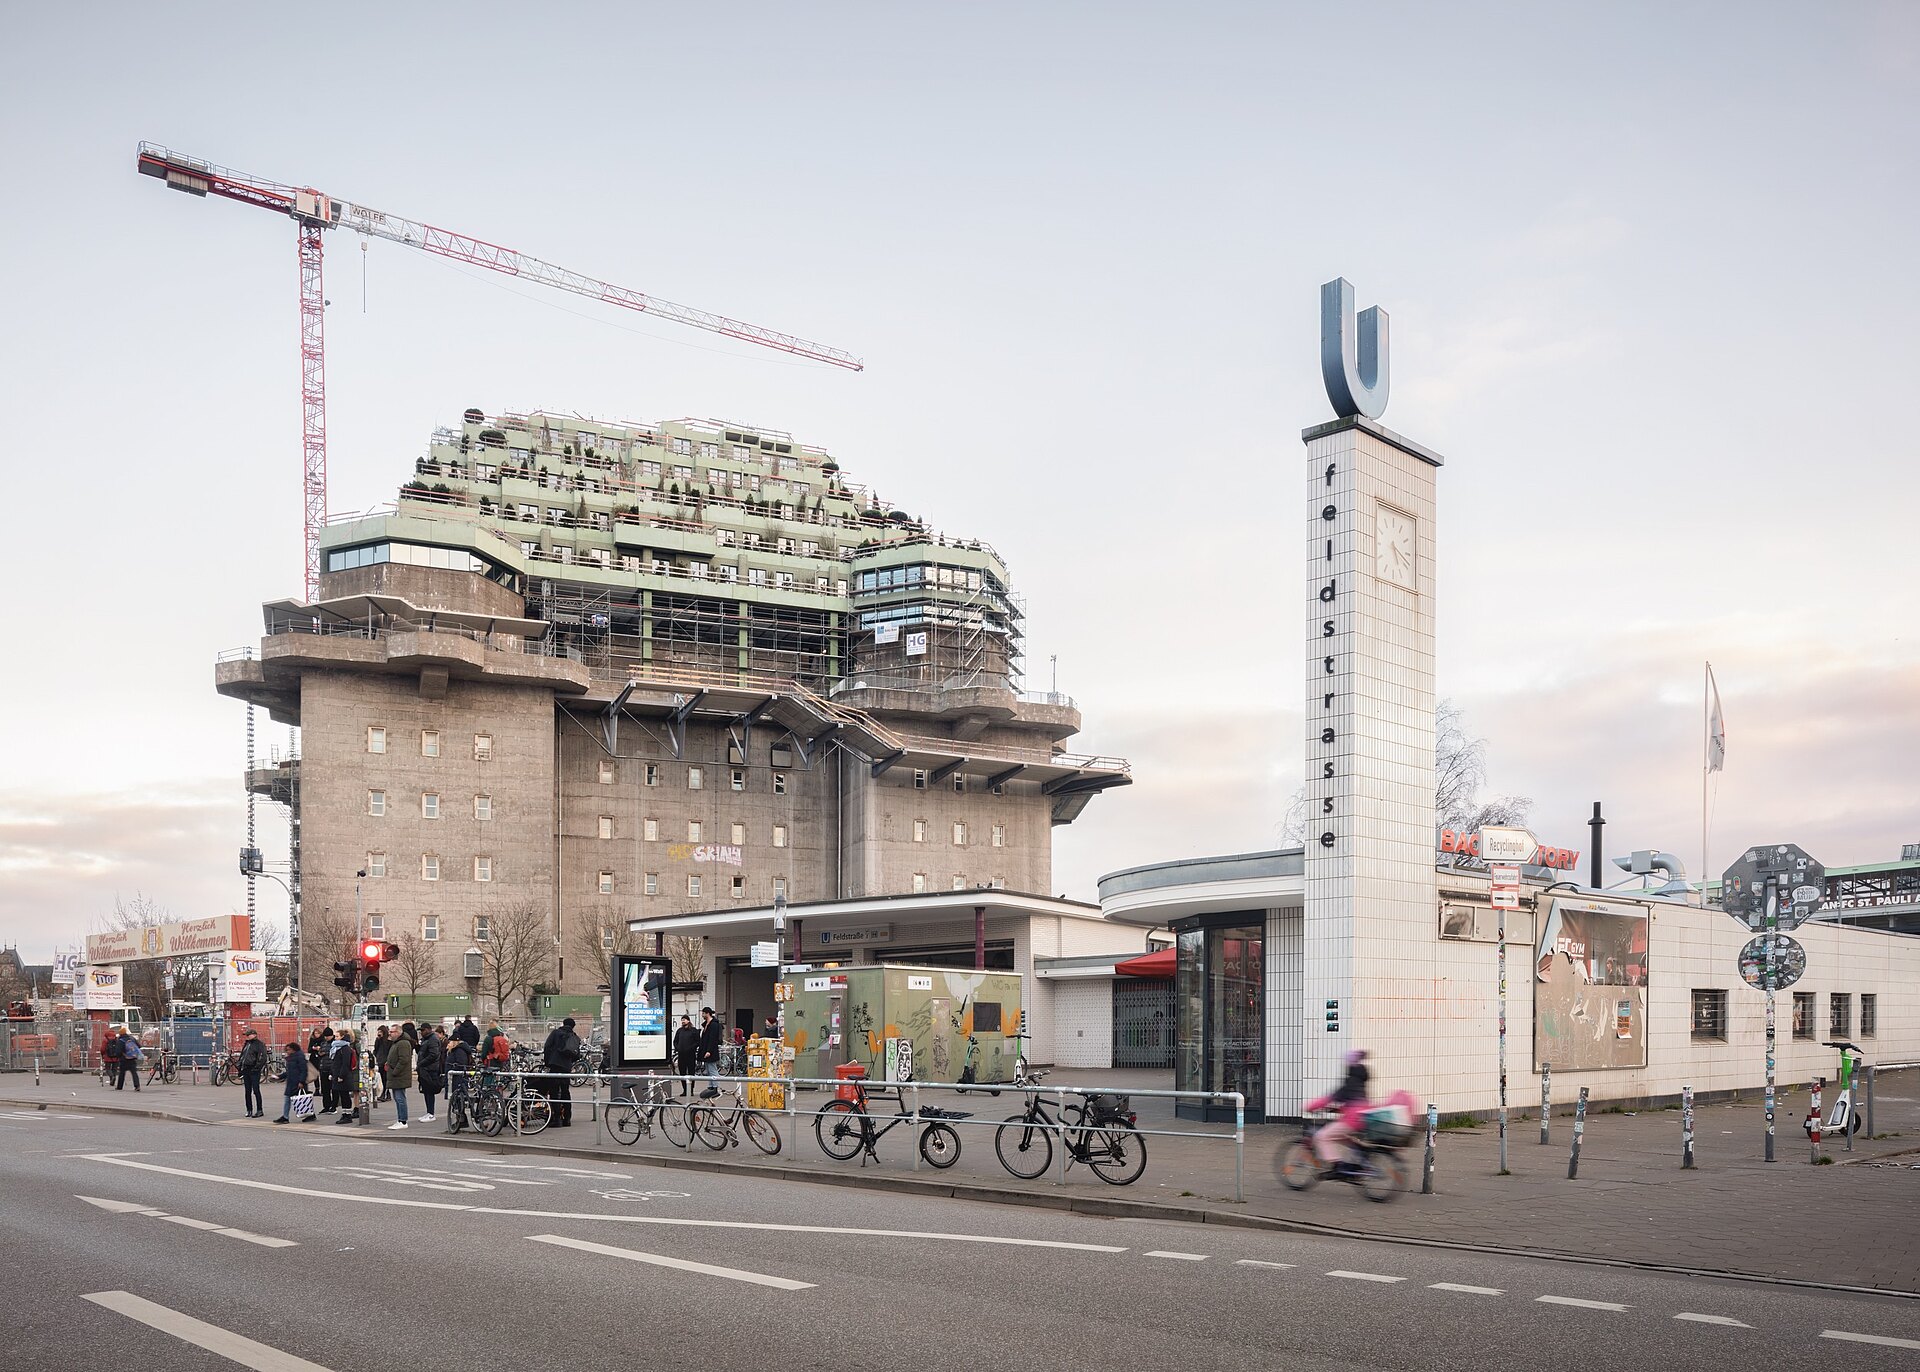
[1364, 1276]
[570, 1171]
[1467, 1290]
[1169, 1253]
[401, 1202]
[1255, 1262]
[1584, 1305]
[221, 1342]
[705, 1269]
[1880, 1339]
[135, 1208]
[1727, 1320]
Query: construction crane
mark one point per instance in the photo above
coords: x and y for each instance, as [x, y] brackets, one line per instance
[314, 212]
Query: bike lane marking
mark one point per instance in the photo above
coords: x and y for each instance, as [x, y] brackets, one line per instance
[222, 1343]
[1169, 1253]
[1579, 1304]
[210, 1226]
[1727, 1320]
[1881, 1339]
[705, 1269]
[1257, 1262]
[402, 1202]
[1364, 1276]
[1466, 1290]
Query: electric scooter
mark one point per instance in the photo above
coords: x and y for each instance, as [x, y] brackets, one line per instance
[1842, 1120]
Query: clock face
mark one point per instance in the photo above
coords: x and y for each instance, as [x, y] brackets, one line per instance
[1393, 544]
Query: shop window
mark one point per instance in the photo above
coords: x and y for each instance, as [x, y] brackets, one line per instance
[1710, 1015]
[1803, 1014]
[1840, 1014]
[1869, 1016]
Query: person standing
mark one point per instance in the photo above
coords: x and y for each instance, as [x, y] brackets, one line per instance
[686, 1048]
[399, 1073]
[344, 1063]
[130, 1055]
[712, 1034]
[430, 1066]
[382, 1041]
[296, 1078]
[558, 1055]
[253, 1061]
[110, 1056]
[459, 1057]
[468, 1033]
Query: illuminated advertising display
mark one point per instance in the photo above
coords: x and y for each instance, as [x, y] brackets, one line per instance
[641, 1000]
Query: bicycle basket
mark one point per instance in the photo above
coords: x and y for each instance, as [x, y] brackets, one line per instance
[1388, 1128]
[1109, 1105]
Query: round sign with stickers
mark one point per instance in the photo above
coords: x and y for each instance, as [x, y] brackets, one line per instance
[1789, 962]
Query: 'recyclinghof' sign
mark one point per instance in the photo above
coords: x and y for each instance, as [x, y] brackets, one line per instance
[1465, 851]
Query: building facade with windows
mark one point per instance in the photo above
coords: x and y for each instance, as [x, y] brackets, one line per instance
[582, 674]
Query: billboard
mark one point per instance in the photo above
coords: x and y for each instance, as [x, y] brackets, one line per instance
[642, 997]
[65, 964]
[98, 988]
[215, 934]
[239, 975]
[1590, 987]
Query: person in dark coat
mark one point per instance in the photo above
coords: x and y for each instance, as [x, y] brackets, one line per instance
[467, 1032]
[253, 1061]
[686, 1047]
[430, 1067]
[382, 1042]
[459, 1071]
[399, 1074]
[130, 1055]
[712, 1035]
[559, 1055]
[296, 1079]
[344, 1062]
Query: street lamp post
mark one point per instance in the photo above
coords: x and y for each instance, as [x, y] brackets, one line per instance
[779, 972]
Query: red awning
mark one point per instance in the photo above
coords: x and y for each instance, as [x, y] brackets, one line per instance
[1158, 964]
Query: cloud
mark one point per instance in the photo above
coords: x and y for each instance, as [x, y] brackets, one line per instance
[65, 859]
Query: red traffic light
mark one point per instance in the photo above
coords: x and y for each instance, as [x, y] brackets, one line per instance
[371, 950]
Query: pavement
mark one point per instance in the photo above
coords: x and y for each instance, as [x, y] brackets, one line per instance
[1845, 1225]
[137, 1242]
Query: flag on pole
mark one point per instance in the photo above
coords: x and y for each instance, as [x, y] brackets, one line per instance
[1716, 726]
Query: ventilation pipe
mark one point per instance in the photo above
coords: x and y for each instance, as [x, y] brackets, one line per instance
[1646, 861]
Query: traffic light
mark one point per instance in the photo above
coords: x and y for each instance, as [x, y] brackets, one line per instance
[373, 952]
[347, 975]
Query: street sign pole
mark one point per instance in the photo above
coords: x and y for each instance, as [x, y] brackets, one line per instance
[1773, 930]
[1504, 849]
[1768, 889]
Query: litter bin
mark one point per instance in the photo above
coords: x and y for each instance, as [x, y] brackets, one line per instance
[849, 1074]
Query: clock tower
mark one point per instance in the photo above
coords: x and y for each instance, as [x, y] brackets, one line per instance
[1370, 889]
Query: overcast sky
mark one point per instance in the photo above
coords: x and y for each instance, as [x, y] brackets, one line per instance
[1651, 273]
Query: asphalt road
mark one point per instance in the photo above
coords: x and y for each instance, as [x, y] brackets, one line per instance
[159, 1246]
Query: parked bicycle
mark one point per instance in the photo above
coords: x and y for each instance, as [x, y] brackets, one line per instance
[166, 1067]
[225, 1069]
[632, 1115]
[1375, 1168]
[845, 1128]
[473, 1106]
[721, 1123]
[1099, 1129]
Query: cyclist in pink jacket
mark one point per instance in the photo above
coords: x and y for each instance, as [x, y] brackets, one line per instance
[1350, 1097]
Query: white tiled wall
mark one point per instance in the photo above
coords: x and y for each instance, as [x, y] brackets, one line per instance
[1082, 1021]
[1286, 1013]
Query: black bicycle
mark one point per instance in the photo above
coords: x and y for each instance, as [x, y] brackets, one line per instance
[845, 1128]
[1376, 1167]
[629, 1115]
[1099, 1129]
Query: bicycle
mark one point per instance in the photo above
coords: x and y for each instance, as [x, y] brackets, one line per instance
[481, 1108]
[630, 1117]
[719, 1127]
[165, 1068]
[1098, 1130]
[1379, 1173]
[525, 1109]
[843, 1128]
[226, 1069]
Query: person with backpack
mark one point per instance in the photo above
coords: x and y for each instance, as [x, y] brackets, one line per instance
[430, 1066]
[110, 1056]
[498, 1056]
[130, 1055]
[344, 1062]
[399, 1073]
[253, 1061]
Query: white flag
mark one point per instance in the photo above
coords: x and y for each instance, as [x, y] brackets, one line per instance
[1716, 726]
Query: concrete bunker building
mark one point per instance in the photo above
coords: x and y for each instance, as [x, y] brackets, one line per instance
[590, 672]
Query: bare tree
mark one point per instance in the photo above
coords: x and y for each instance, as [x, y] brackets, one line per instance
[326, 937]
[685, 953]
[418, 961]
[1459, 771]
[518, 953]
[142, 982]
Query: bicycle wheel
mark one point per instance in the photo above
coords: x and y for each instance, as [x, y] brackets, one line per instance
[623, 1122]
[761, 1132]
[1024, 1147]
[714, 1127]
[675, 1127]
[536, 1113]
[1384, 1174]
[489, 1114]
[841, 1127]
[940, 1145]
[1299, 1168]
[1117, 1153]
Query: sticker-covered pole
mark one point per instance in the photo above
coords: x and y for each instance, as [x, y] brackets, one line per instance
[1433, 1132]
[1546, 1098]
[1813, 1120]
[1579, 1132]
[1686, 1126]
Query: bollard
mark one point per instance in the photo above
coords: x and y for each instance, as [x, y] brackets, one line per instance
[1814, 1130]
[1239, 1144]
[1869, 1099]
[36, 1074]
[1579, 1130]
[1546, 1098]
[1686, 1126]
[1433, 1132]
